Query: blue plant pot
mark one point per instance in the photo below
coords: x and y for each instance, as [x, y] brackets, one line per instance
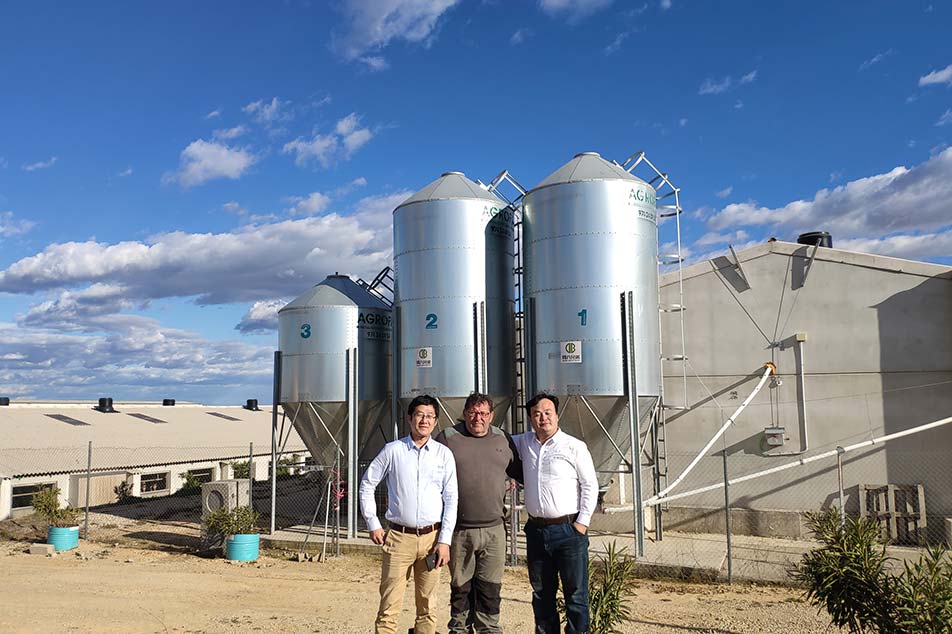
[242, 547]
[63, 538]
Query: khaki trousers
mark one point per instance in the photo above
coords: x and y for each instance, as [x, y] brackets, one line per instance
[477, 561]
[403, 555]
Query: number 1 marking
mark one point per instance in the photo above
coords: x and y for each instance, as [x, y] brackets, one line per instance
[583, 316]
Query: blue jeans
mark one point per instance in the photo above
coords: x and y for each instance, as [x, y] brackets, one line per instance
[558, 552]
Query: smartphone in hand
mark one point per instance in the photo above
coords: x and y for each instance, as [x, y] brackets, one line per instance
[431, 560]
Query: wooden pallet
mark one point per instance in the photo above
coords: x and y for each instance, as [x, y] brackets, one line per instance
[900, 509]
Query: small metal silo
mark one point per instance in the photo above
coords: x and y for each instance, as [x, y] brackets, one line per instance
[453, 300]
[590, 236]
[318, 334]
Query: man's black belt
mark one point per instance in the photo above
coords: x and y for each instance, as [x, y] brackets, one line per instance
[423, 530]
[549, 521]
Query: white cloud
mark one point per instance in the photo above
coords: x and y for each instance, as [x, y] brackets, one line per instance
[3, 163]
[911, 143]
[724, 193]
[268, 112]
[665, 5]
[943, 76]
[748, 78]
[40, 165]
[227, 134]
[248, 263]
[10, 227]
[214, 114]
[945, 119]
[712, 86]
[520, 36]
[310, 205]
[203, 161]
[722, 238]
[349, 135]
[573, 9]
[233, 207]
[375, 62]
[875, 59]
[738, 105]
[371, 25]
[617, 42]
[836, 176]
[903, 200]
[683, 122]
[262, 317]
[125, 173]
[912, 247]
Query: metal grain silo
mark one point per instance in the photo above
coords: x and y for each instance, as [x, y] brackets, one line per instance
[590, 235]
[318, 333]
[453, 301]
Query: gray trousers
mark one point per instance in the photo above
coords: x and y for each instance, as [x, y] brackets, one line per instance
[477, 560]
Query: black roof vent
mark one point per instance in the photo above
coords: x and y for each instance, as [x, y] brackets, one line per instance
[4, 401]
[168, 402]
[816, 238]
[252, 405]
[105, 405]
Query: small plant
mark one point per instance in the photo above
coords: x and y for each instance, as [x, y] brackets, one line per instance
[849, 577]
[242, 520]
[191, 486]
[610, 578]
[240, 470]
[123, 492]
[46, 504]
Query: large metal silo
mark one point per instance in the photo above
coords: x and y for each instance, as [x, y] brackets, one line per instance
[453, 301]
[318, 333]
[590, 236]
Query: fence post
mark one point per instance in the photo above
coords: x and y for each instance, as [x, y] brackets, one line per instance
[727, 521]
[89, 475]
[275, 398]
[251, 477]
[839, 477]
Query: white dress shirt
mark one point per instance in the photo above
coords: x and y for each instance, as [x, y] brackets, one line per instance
[559, 475]
[421, 486]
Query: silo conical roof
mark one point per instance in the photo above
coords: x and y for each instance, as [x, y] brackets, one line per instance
[336, 290]
[587, 166]
[449, 186]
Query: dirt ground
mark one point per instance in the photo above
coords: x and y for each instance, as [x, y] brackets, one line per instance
[104, 588]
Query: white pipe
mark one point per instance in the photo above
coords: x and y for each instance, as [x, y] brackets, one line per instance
[803, 461]
[769, 368]
[804, 434]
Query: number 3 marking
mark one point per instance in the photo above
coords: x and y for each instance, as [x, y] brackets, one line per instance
[305, 331]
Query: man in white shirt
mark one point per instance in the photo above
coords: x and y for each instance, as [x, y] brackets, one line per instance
[421, 511]
[561, 490]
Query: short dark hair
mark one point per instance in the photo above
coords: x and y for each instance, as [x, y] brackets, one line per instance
[540, 397]
[424, 399]
[478, 398]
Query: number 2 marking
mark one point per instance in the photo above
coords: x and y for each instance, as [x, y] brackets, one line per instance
[431, 321]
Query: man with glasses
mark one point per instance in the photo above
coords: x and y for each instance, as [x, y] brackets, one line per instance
[485, 455]
[561, 493]
[421, 510]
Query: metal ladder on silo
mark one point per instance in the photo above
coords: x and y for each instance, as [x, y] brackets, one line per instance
[665, 190]
[383, 281]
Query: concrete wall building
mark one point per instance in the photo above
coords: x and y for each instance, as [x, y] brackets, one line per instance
[863, 348]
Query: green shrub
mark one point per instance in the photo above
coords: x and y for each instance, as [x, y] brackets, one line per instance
[192, 485]
[240, 470]
[46, 504]
[848, 577]
[242, 520]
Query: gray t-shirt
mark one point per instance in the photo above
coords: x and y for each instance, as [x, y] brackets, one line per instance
[482, 465]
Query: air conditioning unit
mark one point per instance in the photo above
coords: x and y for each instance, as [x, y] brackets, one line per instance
[224, 494]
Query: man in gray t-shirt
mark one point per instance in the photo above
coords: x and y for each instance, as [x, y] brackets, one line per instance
[485, 457]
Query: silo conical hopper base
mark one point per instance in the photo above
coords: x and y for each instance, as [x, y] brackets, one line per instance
[311, 419]
[608, 436]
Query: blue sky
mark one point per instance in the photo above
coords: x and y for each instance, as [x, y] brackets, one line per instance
[172, 173]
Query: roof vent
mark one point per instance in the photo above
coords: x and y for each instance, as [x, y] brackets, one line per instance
[168, 402]
[4, 401]
[816, 238]
[252, 405]
[587, 154]
[452, 174]
[105, 405]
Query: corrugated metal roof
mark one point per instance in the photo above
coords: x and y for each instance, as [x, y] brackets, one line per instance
[452, 185]
[587, 166]
[35, 443]
[336, 290]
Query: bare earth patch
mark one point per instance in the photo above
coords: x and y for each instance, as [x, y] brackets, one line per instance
[120, 589]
